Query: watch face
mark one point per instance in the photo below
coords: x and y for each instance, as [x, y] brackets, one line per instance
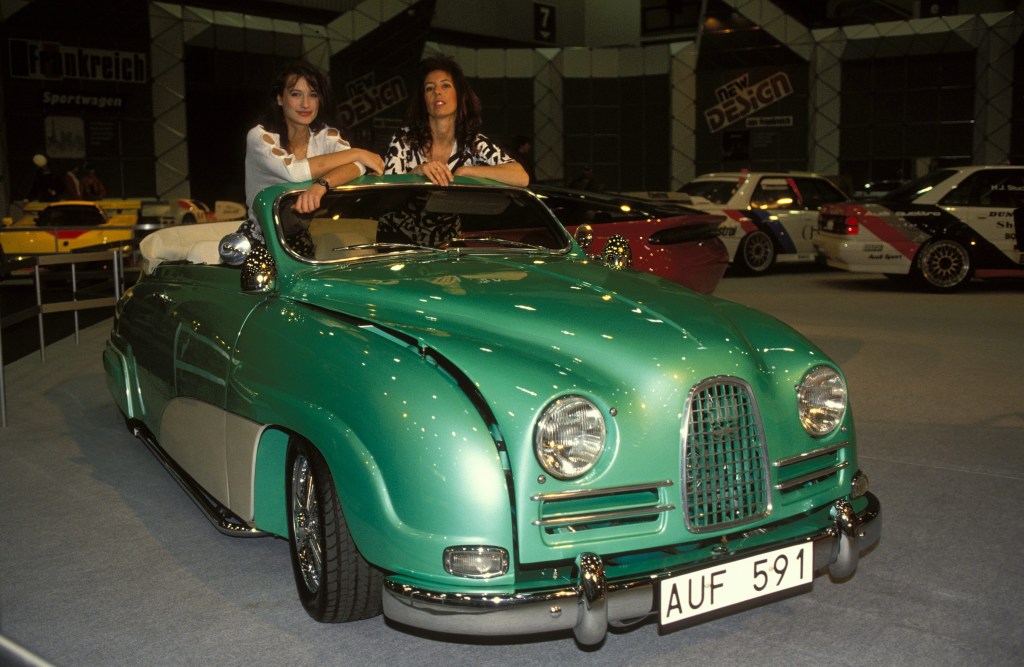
[323, 182]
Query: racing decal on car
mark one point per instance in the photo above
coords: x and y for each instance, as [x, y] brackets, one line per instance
[888, 233]
[767, 222]
[741, 220]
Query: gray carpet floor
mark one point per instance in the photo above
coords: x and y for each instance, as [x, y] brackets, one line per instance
[105, 561]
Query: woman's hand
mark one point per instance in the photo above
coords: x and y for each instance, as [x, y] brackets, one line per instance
[436, 171]
[374, 163]
[309, 199]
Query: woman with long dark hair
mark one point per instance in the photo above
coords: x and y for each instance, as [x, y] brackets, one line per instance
[297, 140]
[442, 137]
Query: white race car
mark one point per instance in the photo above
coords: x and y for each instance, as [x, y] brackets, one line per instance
[942, 229]
[770, 217]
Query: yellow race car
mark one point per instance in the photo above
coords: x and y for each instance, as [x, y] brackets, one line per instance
[69, 226]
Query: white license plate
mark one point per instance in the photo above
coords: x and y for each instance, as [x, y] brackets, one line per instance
[716, 587]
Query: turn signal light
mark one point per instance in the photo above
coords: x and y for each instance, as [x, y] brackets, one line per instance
[476, 562]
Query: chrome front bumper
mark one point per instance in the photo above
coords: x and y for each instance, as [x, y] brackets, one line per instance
[590, 606]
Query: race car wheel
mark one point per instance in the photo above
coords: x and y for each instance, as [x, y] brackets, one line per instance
[334, 582]
[943, 265]
[756, 253]
[188, 219]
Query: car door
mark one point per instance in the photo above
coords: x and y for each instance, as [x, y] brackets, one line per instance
[985, 201]
[184, 322]
[778, 208]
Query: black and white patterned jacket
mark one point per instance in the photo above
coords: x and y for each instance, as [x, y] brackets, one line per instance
[402, 159]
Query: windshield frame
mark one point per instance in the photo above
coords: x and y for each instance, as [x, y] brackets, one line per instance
[377, 249]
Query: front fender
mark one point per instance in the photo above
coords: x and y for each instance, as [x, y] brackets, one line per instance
[416, 466]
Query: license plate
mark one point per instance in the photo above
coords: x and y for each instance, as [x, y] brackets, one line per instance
[714, 588]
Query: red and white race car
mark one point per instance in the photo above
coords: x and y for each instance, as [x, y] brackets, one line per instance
[942, 228]
[769, 216]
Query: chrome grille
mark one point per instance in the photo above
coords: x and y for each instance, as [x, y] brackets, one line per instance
[725, 474]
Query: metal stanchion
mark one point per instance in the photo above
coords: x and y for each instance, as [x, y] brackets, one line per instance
[3, 388]
[74, 305]
[39, 315]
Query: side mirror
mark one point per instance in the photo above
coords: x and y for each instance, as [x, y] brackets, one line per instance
[259, 271]
[234, 248]
[617, 253]
[585, 236]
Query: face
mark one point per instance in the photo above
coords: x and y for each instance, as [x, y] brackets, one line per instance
[439, 94]
[300, 103]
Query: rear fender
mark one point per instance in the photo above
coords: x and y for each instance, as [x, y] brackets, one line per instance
[120, 371]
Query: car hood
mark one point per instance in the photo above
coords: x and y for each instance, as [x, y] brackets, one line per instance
[567, 315]
[516, 334]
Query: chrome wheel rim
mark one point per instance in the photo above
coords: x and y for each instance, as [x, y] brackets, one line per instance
[945, 264]
[305, 512]
[757, 251]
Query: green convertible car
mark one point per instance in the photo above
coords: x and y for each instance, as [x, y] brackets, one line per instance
[459, 418]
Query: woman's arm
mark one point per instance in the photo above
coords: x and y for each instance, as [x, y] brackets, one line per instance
[511, 173]
[309, 200]
[335, 163]
[488, 160]
[323, 165]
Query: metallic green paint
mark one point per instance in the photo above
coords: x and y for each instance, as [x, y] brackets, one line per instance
[419, 378]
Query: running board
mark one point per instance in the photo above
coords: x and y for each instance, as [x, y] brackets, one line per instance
[220, 516]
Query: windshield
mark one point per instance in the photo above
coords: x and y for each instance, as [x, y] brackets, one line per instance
[910, 191]
[361, 222]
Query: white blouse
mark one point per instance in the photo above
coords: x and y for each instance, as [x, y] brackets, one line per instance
[267, 163]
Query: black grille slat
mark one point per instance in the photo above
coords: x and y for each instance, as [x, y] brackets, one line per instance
[725, 479]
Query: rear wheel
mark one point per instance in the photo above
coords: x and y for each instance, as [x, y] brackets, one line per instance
[335, 583]
[756, 253]
[942, 266]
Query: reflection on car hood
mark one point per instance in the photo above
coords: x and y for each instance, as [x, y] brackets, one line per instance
[564, 311]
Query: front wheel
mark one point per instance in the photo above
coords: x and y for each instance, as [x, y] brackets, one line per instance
[756, 253]
[335, 583]
[942, 266]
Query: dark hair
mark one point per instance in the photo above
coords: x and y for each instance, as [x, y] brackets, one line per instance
[273, 117]
[467, 117]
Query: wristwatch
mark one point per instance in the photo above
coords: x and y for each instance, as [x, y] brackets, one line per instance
[323, 182]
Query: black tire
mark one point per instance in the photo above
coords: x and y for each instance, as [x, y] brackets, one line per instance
[334, 582]
[756, 253]
[188, 219]
[942, 265]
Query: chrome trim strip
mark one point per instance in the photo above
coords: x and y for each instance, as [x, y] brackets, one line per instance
[821, 451]
[581, 606]
[831, 470]
[588, 493]
[603, 516]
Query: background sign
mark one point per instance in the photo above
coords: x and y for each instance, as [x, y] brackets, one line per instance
[544, 23]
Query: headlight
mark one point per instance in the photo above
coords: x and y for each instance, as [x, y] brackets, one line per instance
[570, 437]
[821, 398]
